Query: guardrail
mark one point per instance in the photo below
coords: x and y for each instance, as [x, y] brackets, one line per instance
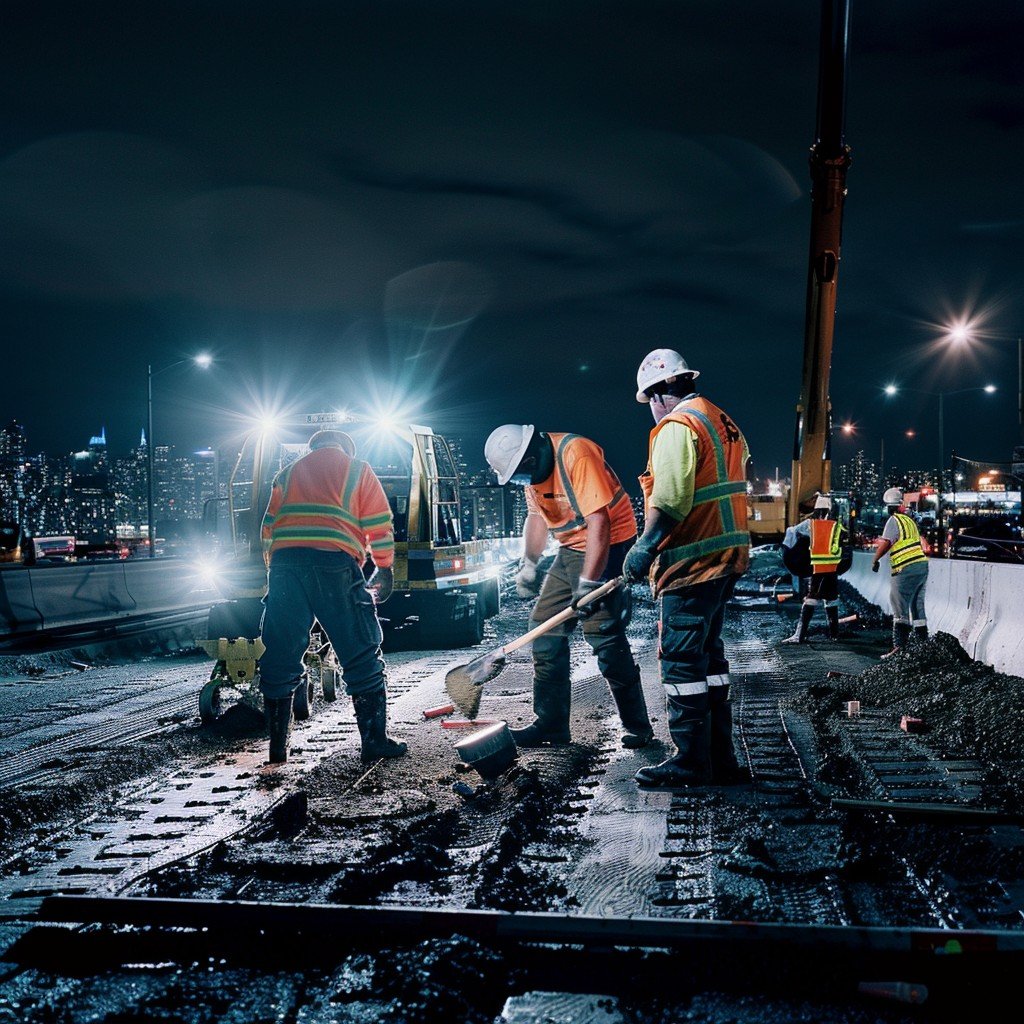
[54, 597]
[977, 602]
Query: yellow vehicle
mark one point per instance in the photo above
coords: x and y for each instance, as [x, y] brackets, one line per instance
[445, 587]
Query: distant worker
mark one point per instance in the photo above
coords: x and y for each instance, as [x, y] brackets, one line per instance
[908, 564]
[694, 548]
[573, 493]
[326, 511]
[819, 547]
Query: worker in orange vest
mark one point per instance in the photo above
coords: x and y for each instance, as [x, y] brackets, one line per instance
[829, 555]
[327, 513]
[694, 548]
[574, 495]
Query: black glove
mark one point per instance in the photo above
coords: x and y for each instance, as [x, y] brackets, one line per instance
[874, 567]
[636, 566]
[583, 588]
[382, 583]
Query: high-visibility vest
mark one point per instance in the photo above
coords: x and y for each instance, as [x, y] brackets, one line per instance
[330, 502]
[826, 545]
[907, 549]
[561, 509]
[712, 541]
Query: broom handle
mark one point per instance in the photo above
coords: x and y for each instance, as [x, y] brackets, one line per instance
[559, 617]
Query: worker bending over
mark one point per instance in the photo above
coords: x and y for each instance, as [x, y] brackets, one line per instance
[573, 493]
[908, 566]
[326, 511]
[694, 548]
[820, 545]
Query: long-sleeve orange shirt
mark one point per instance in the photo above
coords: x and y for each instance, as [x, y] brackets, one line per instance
[329, 501]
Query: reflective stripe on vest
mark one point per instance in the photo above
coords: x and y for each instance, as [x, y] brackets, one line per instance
[907, 549]
[579, 521]
[826, 548]
[721, 492]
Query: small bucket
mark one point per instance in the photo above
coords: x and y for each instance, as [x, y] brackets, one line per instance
[490, 751]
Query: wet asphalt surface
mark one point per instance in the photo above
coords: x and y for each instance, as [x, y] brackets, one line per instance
[562, 830]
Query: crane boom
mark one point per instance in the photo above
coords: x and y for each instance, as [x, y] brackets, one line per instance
[829, 162]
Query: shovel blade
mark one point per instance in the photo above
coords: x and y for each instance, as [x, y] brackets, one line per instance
[464, 683]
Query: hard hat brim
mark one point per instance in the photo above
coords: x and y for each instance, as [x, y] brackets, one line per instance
[528, 432]
[644, 400]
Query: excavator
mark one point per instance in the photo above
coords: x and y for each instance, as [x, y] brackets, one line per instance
[771, 514]
[445, 587]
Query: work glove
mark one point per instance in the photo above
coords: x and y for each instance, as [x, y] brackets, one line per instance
[583, 588]
[527, 584]
[381, 584]
[636, 566]
[874, 567]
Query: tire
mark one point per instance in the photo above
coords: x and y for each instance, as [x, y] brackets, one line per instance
[305, 696]
[329, 683]
[209, 702]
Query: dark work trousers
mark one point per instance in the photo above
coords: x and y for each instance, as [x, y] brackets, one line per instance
[604, 631]
[327, 586]
[692, 655]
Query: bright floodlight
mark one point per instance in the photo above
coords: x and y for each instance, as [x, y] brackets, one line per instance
[959, 332]
[386, 421]
[891, 389]
[989, 388]
[204, 360]
[848, 428]
[268, 424]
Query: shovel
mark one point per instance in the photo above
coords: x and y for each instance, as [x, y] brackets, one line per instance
[464, 683]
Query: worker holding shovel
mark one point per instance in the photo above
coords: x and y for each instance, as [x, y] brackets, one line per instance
[573, 493]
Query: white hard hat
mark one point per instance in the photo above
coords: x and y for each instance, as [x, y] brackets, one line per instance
[663, 364]
[333, 439]
[893, 496]
[823, 501]
[505, 448]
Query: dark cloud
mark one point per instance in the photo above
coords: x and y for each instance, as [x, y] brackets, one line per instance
[303, 186]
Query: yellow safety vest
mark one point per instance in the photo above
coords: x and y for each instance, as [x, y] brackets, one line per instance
[907, 549]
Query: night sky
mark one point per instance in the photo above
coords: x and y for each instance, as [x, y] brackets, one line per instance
[482, 212]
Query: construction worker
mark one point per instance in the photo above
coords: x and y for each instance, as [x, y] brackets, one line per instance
[908, 564]
[573, 493]
[828, 554]
[326, 511]
[694, 548]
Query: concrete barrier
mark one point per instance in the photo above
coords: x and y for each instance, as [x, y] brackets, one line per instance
[980, 603]
[61, 596]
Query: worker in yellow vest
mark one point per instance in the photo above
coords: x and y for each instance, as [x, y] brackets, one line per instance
[908, 565]
[573, 495]
[829, 556]
[694, 548]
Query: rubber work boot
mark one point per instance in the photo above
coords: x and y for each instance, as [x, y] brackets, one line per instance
[629, 699]
[900, 636]
[278, 716]
[551, 702]
[832, 614]
[920, 633]
[689, 724]
[372, 719]
[725, 769]
[806, 614]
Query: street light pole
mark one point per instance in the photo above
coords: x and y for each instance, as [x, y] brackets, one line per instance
[204, 361]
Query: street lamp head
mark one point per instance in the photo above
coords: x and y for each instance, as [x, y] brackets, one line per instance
[204, 360]
[849, 428]
[989, 388]
[891, 389]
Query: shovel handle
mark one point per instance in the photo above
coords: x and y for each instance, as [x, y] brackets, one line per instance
[559, 617]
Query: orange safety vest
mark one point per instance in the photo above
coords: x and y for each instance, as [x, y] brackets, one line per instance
[826, 545]
[556, 502]
[712, 541]
[330, 502]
